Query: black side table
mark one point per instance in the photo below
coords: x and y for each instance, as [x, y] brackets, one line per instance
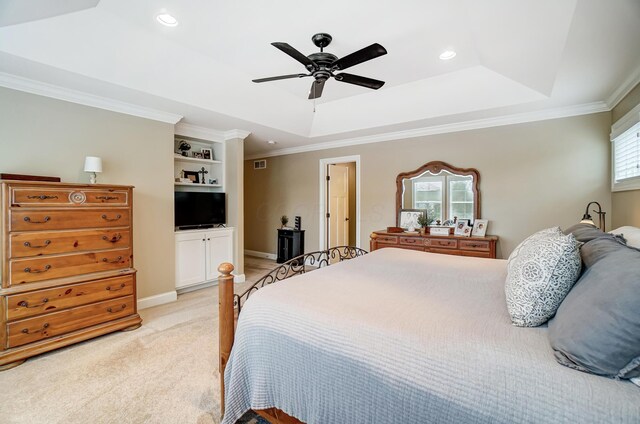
[290, 244]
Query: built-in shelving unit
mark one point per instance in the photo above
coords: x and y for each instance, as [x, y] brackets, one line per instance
[214, 167]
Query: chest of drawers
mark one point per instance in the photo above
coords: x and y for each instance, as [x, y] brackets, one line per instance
[481, 247]
[66, 265]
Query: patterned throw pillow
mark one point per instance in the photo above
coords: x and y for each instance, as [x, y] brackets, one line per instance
[540, 273]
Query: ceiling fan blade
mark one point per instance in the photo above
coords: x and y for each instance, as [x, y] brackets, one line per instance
[360, 56]
[280, 77]
[308, 63]
[316, 89]
[358, 80]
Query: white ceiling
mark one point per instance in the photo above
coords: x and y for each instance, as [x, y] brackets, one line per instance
[512, 57]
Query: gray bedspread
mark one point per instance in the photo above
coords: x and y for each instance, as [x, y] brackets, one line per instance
[399, 336]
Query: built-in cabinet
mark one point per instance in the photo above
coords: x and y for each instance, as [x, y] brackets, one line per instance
[198, 254]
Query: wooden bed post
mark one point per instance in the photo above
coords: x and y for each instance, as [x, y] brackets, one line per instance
[226, 321]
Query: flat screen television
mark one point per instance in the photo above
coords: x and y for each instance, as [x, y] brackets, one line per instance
[199, 209]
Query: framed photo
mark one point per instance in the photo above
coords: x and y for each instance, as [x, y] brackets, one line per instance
[409, 218]
[197, 155]
[480, 227]
[462, 228]
[193, 176]
[207, 153]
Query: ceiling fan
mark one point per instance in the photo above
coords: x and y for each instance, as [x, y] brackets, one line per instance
[322, 66]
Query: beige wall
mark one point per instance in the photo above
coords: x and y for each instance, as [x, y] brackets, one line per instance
[43, 136]
[626, 204]
[533, 176]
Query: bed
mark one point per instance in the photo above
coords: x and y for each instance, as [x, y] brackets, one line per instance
[397, 336]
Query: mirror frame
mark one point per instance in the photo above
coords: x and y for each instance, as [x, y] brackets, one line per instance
[435, 168]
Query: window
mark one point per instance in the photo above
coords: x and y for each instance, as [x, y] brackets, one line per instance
[625, 152]
[444, 196]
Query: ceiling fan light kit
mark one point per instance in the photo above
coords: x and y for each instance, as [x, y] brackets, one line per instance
[322, 65]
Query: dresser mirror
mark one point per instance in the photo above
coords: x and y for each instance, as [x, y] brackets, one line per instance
[444, 191]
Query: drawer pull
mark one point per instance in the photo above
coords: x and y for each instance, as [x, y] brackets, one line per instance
[119, 288]
[42, 197]
[28, 219]
[107, 197]
[116, 238]
[46, 243]
[42, 330]
[111, 219]
[475, 245]
[111, 311]
[37, 271]
[25, 304]
[409, 241]
[115, 261]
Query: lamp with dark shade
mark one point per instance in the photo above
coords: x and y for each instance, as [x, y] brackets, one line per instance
[586, 218]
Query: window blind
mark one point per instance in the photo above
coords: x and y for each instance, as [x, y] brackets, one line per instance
[627, 154]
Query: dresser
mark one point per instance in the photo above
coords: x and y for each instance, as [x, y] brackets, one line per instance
[66, 268]
[481, 247]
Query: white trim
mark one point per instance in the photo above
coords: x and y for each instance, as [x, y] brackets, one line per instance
[61, 93]
[624, 89]
[323, 195]
[263, 255]
[239, 278]
[158, 299]
[519, 118]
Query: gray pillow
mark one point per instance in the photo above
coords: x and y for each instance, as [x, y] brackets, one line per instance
[597, 327]
[587, 232]
[540, 273]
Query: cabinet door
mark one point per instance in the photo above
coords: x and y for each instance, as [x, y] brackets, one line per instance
[190, 259]
[219, 249]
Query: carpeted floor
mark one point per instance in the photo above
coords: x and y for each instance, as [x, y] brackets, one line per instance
[164, 372]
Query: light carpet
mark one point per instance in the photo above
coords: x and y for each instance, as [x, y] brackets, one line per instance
[164, 372]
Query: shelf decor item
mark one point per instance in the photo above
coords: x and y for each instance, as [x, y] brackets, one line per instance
[93, 165]
[462, 228]
[184, 147]
[193, 176]
[206, 153]
[284, 220]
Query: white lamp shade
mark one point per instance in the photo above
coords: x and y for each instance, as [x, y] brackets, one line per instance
[92, 164]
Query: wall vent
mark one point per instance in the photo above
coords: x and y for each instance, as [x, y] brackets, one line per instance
[260, 164]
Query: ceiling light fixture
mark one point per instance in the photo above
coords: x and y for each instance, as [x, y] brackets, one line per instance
[447, 55]
[167, 20]
[271, 142]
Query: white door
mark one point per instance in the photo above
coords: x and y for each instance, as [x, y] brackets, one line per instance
[190, 257]
[219, 250]
[338, 222]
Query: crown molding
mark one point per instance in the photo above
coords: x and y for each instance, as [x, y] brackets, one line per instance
[519, 118]
[624, 89]
[234, 134]
[40, 88]
[195, 131]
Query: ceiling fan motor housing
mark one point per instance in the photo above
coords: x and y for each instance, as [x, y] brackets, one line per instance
[324, 61]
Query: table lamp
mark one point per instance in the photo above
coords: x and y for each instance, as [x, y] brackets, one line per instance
[93, 165]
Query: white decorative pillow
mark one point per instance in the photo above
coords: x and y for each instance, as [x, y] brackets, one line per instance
[540, 273]
[630, 234]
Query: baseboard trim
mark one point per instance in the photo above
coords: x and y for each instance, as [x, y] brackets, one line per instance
[158, 299]
[239, 278]
[257, 254]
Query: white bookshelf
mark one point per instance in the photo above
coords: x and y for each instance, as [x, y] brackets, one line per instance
[197, 185]
[214, 166]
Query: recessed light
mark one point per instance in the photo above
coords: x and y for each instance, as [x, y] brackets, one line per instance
[447, 54]
[166, 19]
[271, 142]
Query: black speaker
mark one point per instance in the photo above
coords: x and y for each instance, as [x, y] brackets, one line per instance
[297, 223]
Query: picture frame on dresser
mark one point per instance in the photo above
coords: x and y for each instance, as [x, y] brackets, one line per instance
[408, 218]
[480, 227]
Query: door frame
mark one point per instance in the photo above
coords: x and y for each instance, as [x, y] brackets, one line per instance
[323, 196]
